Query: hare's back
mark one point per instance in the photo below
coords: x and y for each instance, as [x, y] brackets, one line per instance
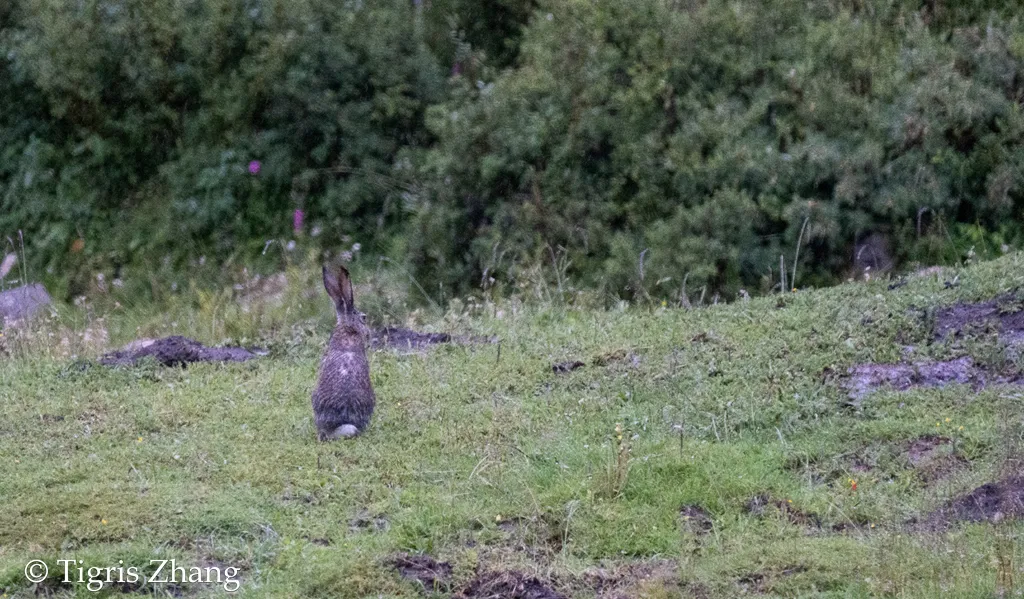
[343, 394]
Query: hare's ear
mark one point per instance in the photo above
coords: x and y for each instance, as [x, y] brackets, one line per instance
[339, 287]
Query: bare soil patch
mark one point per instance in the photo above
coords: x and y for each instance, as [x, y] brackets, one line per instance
[434, 575]
[181, 351]
[175, 351]
[365, 520]
[657, 578]
[619, 357]
[1002, 317]
[864, 379]
[762, 582]
[569, 366]
[764, 505]
[507, 585]
[923, 450]
[536, 536]
[934, 458]
[400, 338]
[409, 340]
[696, 519]
[930, 458]
[992, 501]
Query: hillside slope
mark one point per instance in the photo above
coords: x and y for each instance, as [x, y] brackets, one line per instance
[708, 452]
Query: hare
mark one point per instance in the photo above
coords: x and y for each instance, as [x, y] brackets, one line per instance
[343, 399]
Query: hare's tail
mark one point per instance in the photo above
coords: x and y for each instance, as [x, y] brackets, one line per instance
[345, 431]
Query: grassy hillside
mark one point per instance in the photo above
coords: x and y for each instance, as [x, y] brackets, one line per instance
[707, 452]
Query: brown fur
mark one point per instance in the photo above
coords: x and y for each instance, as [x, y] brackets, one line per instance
[343, 393]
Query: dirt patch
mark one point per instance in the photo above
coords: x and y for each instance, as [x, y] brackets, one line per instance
[703, 337]
[1003, 315]
[619, 356]
[764, 505]
[920, 451]
[435, 576]
[822, 469]
[564, 367]
[535, 536]
[512, 524]
[366, 521]
[991, 501]
[863, 379]
[507, 585]
[410, 340]
[933, 457]
[696, 519]
[176, 351]
[761, 582]
[637, 579]
[406, 338]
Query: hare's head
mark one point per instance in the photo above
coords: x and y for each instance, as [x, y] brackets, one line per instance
[339, 286]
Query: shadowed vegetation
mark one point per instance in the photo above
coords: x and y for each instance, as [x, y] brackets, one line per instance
[654, 149]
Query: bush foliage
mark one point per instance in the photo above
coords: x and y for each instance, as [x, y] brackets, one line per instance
[650, 148]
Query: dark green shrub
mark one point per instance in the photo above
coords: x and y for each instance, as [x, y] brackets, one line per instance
[643, 148]
[712, 138]
[133, 126]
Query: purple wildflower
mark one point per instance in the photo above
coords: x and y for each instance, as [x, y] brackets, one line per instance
[254, 167]
[297, 220]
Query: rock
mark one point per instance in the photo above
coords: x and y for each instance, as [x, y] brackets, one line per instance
[22, 302]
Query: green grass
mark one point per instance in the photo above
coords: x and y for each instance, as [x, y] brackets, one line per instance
[491, 462]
